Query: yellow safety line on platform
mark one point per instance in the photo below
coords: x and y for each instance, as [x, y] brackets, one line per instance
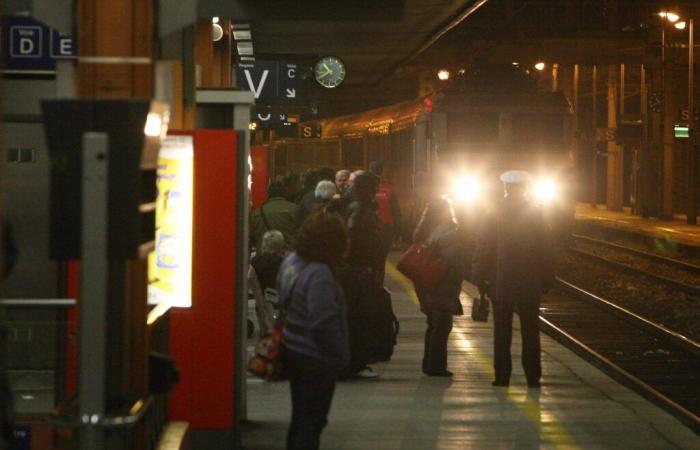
[402, 281]
[528, 402]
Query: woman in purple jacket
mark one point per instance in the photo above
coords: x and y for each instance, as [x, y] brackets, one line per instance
[315, 333]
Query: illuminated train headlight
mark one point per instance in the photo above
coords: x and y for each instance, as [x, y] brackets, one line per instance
[466, 189]
[544, 190]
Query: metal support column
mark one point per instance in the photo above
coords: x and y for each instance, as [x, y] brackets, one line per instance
[594, 126]
[615, 166]
[691, 216]
[93, 289]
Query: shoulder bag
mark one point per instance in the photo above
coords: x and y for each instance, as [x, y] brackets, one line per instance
[267, 361]
[422, 266]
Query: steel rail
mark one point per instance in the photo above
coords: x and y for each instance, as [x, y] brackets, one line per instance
[635, 251]
[692, 290]
[620, 375]
[609, 367]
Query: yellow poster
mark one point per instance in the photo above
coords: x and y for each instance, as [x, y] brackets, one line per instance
[170, 266]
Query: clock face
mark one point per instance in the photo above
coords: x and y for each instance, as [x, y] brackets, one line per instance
[329, 71]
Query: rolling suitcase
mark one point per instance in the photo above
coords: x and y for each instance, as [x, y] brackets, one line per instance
[383, 327]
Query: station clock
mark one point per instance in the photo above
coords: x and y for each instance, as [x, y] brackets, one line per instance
[329, 71]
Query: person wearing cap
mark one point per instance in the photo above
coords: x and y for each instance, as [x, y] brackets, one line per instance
[388, 204]
[513, 261]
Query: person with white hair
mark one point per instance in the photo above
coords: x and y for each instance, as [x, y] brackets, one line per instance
[262, 277]
[341, 180]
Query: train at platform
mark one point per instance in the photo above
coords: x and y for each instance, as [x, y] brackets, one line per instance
[453, 143]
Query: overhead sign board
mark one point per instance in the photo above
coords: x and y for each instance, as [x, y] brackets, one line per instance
[30, 46]
[271, 82]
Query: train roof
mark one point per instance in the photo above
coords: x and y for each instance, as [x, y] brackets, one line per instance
[405, 114]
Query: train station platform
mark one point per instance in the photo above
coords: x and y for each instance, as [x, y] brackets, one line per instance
[675, 229]
[577, 406]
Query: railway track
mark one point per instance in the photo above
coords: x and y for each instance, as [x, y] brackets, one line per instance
[673, 273]
[659, 364]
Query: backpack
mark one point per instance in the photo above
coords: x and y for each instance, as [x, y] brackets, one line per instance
[383, 327]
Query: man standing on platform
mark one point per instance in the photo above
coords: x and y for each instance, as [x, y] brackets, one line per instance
[514, 260]
[388, 204]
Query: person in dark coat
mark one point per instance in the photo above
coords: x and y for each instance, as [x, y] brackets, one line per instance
[361, 276]
[514, 261]
[437, 229]
[307, 202]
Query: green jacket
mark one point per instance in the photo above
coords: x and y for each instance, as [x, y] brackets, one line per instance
[280, 215]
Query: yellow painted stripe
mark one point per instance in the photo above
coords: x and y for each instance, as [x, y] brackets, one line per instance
[401, 280]
[555, 433]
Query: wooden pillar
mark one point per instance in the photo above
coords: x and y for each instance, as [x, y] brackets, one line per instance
[555, 77]
[115, 44]
[615, 164]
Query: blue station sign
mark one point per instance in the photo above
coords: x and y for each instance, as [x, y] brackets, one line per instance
[30, 46]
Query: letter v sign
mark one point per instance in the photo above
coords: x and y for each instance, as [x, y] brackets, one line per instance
[256, 90]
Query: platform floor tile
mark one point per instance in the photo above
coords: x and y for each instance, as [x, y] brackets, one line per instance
[578, 407]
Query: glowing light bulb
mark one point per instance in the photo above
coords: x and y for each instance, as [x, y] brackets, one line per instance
[444, 75]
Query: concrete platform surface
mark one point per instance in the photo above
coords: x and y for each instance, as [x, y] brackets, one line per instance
[675, 228]
[577, 407]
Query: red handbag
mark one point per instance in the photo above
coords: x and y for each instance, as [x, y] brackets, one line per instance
[422, 266]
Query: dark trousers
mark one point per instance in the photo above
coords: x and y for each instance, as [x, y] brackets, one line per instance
[360, 286]
[312, 386]
[503, 336]
[435, 349]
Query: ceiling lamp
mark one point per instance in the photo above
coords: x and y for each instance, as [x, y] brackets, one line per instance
[540, 66]
[216, 32]
[680, 25]
[245, 48]
[443, 75]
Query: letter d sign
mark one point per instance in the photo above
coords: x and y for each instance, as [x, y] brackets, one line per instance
[25, 42]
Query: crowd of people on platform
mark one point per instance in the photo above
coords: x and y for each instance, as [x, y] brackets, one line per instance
[336, 230]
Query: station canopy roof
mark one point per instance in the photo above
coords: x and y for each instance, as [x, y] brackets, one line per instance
[372, 37]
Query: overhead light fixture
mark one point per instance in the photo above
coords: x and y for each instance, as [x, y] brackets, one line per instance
[241, 35]
[515, 63]
[672, 17]
[214, 20]
[443, 75]
[245, 48]
[680, 25]
[540, 66]
[662, 14]
[216, 32]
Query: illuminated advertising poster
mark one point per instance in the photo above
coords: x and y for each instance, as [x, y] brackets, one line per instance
[170, 266]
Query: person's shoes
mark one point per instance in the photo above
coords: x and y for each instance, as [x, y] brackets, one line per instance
[500, 383]
[366, 374]
[439, 373]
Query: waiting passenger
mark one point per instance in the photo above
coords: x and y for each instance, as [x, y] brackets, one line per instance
[341, 180]
[514, 257]
[324, 193]
[315, 335]
[437, 229]
[275, 214]
[389, 209]
[306, 205]
[362, 277]
[291, 186]
[262, 278]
